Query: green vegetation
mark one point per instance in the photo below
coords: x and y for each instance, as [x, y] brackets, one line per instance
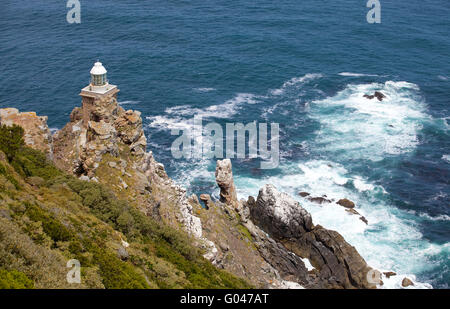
[14, 280]
[11, 140]
[48, 217]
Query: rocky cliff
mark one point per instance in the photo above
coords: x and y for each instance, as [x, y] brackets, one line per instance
[266, 241]
[37, 134]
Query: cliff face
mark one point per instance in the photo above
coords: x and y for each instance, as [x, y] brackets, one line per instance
[265, 241]
[37, 133]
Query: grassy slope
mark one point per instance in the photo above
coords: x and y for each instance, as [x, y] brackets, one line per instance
[48, 217]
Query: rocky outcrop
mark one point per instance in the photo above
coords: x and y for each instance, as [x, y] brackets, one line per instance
[105, 143]
[339, 265]
[36, 132]
[224, 179]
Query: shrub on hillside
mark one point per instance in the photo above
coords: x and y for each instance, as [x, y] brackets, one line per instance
[11, 140]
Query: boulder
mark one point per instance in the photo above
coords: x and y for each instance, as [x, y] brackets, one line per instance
[346, 203]
[389, 274]
[407, 282]
[122, 253]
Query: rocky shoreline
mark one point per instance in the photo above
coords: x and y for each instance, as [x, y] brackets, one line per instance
[264, 240]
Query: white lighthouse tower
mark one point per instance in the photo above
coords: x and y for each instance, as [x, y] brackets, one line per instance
[98, 90]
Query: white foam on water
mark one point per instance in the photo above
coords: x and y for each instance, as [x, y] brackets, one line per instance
[431, 218]
[204, 89]
[222, 111]
[350, 74]
[128, 102]
[295, 81]
[356, 127]
[446, 158]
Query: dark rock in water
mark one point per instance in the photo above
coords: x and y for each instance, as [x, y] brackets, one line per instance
[352, 211]
[391, 126]
[389, 274]
[406, 282]
[303, 194]
[122, 253]
[363, 219]
[319, 200]
[380, 96]
[338, 263]
[346, 203]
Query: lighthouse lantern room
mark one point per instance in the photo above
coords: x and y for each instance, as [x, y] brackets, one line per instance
[98, 75]
[99, 85]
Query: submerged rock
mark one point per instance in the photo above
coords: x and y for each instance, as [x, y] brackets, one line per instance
[363, 219]
[352, 211]
[319, 200]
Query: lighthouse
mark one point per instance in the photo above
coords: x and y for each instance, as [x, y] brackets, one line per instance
[99, 91]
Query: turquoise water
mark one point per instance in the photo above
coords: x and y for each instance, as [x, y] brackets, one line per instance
[305, 65]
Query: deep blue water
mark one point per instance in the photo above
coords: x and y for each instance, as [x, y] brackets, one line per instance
[303, 64]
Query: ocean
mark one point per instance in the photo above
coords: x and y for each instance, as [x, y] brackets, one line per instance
[303, 64]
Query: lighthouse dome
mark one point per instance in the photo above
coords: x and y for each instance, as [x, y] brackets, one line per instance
[98, 69]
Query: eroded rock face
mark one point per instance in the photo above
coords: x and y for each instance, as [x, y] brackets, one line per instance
[36, 131]
[224, 179]
[339, 265]
[281, 212]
